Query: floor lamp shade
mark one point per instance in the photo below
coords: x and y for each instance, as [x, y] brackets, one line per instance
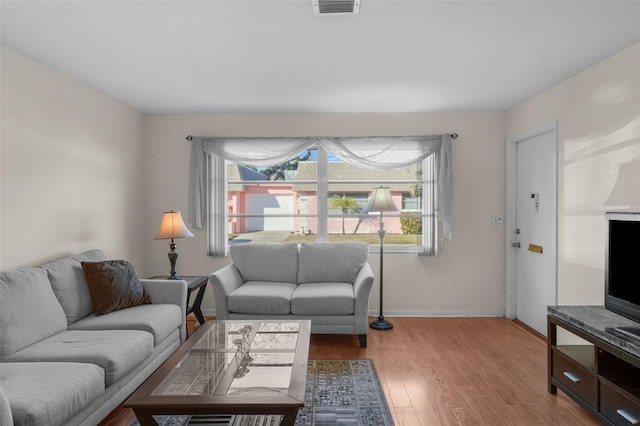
[172, 227]
[381, 201]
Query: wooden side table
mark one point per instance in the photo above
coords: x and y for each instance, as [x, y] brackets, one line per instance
[193, 283]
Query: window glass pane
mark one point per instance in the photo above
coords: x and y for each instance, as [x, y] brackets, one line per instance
[272, 204]
[349, 189]
[280, 203]
[347, 202]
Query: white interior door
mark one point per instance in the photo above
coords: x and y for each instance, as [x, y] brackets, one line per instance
[535, 229]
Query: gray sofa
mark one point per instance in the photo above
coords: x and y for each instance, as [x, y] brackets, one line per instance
[327, 283]
[60, 364]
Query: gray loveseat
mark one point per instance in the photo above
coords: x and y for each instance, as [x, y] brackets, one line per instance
[60, 364]
[327, 283]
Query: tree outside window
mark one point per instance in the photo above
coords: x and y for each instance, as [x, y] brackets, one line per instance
[344, 203]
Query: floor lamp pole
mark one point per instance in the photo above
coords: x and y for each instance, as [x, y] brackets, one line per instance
[381, 323]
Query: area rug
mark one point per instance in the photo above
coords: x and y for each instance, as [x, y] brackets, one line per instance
[339, 392]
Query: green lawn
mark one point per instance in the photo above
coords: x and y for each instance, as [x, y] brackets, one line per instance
[366, 238]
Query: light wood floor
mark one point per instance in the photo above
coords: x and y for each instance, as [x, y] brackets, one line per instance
[452, 371]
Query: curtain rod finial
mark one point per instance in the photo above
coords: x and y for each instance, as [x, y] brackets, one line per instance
[189, 138]
[454, 136]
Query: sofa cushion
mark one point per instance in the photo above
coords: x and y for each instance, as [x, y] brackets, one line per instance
[68, 283]
[159, 320]
[261, 297]
[113, 285]
[5, 410]
[266, 262]
[49, 394]
[29, 311]
[116, 351]
[323, 299]
[331, 262]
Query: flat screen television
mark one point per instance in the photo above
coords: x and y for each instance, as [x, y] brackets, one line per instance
[622, 264]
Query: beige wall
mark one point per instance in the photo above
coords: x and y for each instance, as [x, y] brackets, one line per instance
[80, 170]
[466, 278]
[71, 176]
[598, 113]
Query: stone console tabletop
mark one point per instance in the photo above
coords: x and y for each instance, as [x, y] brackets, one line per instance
[598, 322]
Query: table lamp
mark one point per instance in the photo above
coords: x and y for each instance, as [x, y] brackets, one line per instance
[625, 189]
[381, 201]
[171, 227]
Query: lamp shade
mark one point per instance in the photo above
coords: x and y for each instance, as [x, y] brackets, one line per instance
[625, 191]
[172, 226]
[380, 201]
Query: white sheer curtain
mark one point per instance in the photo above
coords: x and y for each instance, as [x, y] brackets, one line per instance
[257, 152]
[196, 208]
[373, 153]
[381, 152]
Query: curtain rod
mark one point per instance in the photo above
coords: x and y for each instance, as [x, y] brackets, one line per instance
[453, 136]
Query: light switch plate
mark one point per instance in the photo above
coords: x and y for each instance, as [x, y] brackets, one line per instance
[496, 220]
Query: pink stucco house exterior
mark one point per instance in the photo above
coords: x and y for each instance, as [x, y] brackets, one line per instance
[290, 200]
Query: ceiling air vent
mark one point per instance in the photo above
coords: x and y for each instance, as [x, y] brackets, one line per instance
[336, 7]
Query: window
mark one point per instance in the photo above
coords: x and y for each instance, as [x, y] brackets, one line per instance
[281, 203]
[410, 202]
[316, 192]
[270, 204]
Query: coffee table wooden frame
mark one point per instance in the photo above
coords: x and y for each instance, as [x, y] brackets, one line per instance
[145, 404]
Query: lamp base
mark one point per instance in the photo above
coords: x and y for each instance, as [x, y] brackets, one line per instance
[173, 257]
[381, 324]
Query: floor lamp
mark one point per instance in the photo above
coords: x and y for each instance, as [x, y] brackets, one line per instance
[381, 201]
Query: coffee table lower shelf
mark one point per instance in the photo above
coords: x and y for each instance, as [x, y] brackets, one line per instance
[230, 367]
[288, 417]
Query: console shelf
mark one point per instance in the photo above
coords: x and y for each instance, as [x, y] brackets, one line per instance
[604, 375]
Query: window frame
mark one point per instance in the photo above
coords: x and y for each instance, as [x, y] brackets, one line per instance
[218, 215]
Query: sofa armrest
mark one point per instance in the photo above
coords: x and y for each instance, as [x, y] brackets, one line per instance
[224, 281]
[169, 292]
[361, 289]
[6, 417]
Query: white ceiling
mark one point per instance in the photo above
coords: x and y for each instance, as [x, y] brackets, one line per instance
[185, 57]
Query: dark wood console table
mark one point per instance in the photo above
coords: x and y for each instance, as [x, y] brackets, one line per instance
[602, 372]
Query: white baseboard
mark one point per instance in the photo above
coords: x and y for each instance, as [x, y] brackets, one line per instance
[438, 313]
[418, 313]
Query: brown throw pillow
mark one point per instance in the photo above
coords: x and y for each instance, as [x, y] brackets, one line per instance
[113, 285]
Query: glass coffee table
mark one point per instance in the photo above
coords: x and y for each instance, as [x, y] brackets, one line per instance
[230, 367]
